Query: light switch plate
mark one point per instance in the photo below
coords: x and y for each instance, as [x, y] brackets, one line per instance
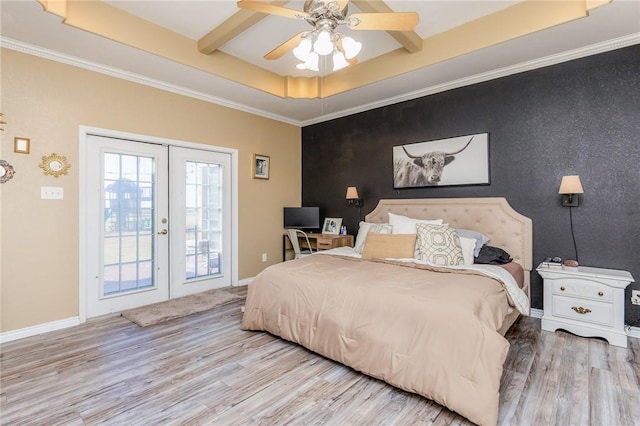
[635, 297]
[51, 192]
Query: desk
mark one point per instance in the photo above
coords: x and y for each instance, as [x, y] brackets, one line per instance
[317, 241]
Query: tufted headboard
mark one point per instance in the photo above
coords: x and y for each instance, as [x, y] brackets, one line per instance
[494, 217]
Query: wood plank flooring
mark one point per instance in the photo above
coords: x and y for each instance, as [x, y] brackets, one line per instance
[203, 369]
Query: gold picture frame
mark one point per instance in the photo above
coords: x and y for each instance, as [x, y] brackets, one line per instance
[21, 145]
[54, 165]
[260, 166]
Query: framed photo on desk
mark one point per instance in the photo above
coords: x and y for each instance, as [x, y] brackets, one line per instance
[332, 225]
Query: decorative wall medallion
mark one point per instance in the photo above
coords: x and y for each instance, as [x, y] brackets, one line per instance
[54, 165]
[6, 171]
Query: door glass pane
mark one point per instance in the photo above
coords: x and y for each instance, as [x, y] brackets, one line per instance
[203, 216]
[128, 238]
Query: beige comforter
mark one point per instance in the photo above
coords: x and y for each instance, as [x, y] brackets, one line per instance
[428, 332]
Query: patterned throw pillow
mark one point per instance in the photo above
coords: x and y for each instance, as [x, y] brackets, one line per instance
[365, 228]
[438, 245]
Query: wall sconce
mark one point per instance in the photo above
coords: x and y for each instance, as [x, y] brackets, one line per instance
[353, 199]
[570, 187]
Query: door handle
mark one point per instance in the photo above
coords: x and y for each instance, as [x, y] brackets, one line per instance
[163, 232]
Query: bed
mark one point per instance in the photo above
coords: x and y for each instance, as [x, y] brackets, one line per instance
[432, 330]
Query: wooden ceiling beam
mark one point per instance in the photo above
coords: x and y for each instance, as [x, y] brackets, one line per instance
[231, 28]
[410, 40]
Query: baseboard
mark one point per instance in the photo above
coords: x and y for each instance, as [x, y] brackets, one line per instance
[245, 281]
[632, 331]
[9, 336]
[536, 313]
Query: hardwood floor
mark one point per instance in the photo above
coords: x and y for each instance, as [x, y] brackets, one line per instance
[203, 369]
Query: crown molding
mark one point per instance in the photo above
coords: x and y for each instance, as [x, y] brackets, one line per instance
[570, 55]
[51, 55]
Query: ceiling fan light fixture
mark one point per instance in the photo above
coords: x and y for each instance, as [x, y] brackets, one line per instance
[351, 47]
[312, 62]
[304, 48]
[339, 60]
[323, 45]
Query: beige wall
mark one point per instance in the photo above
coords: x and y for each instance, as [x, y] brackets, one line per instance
[47, 102]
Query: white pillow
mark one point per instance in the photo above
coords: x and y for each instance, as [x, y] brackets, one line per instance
[365, 228]
[468, 246]
[407, 225]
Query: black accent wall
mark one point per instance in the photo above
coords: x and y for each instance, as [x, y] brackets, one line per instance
[579, 117]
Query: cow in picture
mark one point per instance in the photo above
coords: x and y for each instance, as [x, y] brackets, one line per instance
[422, 170]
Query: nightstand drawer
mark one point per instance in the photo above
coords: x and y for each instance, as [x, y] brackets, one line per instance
[582, 310]
[572, 287]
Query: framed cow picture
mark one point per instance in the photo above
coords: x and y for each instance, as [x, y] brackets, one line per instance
[462, 160]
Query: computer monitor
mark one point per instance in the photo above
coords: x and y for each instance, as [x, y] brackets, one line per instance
[302, 217]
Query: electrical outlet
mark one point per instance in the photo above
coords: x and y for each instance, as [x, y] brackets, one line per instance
[635, 297]
[264, 257]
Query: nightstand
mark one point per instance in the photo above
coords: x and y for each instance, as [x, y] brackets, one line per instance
[586, 301]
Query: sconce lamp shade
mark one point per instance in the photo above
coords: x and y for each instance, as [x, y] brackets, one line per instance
[352, 193]
[571, 185]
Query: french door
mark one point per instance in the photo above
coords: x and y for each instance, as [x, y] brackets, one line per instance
[158, 222]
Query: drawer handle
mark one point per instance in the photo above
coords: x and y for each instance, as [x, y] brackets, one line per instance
[561, 288]
[581, 310]
[600, 294]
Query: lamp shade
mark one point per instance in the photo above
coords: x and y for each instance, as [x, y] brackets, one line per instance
[571, 185]
[323, 44]
[304, 48]
[351, 47]
[339, 61]
[352, 193]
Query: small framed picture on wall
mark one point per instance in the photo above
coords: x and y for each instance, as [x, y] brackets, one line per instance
[260, 166]
[21, 145]
[332, 225]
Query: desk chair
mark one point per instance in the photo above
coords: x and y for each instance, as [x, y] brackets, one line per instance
[293, 236]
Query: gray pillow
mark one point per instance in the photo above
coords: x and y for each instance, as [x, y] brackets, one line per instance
[480, 238]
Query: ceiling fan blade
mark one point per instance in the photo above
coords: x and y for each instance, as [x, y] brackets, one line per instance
[284, 47]
[395, 21]
[257, 6]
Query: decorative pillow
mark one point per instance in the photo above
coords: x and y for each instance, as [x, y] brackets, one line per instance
[468, 246]
[407, 225]
[438, 245]
[365, 228]
[395, 246]
[493, 256]
[480, 238]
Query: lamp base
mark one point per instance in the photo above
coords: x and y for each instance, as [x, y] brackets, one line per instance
[569, 200]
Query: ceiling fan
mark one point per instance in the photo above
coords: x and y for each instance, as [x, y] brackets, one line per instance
[325, 16]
